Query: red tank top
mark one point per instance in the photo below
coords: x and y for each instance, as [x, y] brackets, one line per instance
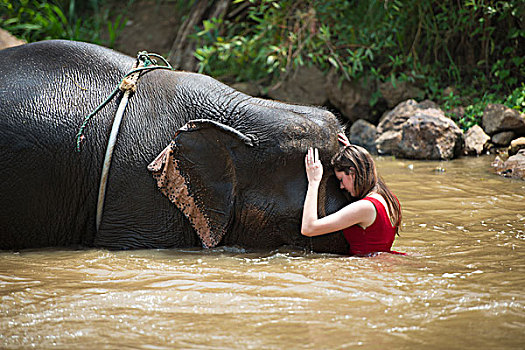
[377, 237]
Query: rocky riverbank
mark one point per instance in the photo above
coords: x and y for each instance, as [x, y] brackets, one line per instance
[422, 131]
[407, 128]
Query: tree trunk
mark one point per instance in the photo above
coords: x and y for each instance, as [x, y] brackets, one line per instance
[181, 55]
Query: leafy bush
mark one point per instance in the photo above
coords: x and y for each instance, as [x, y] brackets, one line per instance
[516, 99]
[473, 112]
[34, 20]
[470, 45]
[274, 37]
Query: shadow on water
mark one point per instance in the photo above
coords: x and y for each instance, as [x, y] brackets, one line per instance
[461, 285]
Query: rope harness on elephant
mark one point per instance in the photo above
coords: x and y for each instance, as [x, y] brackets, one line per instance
[128, 85]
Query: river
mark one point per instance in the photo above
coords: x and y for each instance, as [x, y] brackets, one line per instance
[461, 286]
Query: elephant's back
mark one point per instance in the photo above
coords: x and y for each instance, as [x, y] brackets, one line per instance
[56, 83]
[56, 73]
[46, 90]
[52, 54]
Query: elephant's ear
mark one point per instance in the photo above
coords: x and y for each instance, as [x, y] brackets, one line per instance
[197, 172]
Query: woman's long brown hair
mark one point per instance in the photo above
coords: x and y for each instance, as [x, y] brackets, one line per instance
[356, 159]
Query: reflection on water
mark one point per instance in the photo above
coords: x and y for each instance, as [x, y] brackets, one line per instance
[461, 286]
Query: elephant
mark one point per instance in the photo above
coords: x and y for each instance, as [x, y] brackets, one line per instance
[196, 163]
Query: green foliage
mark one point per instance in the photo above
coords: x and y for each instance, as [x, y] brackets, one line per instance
[516, 99]
[34, 20]
[275, 37]
[473, 45]
[473, 112]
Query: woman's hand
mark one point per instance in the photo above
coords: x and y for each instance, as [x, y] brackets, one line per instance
[341, 137]
[314, 168]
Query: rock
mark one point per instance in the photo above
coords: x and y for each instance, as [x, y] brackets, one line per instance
[387, 142]
[401, 91]
[248, 88]
[498, 118]
[351, 98]
[430, 136]
[364, 134]
[516, 145]
[306, 85]
[426, 104]
[513, 167]
[475, 140]
[410, 131]
[392, 121]
[8, 40]
[503, 138]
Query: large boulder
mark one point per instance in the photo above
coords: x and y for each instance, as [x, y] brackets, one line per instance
[430, 136]
[410, 131]
[387, 142]
[513, 167]
[8, 40]
[306, 85]
[476, 140]
[498, 118]
[364, 134]
[394, 119]
[352, 99]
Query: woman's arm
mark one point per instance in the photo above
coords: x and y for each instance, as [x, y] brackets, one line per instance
[360, 212]
[314, 173]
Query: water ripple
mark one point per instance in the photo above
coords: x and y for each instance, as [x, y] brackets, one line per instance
[460, 286]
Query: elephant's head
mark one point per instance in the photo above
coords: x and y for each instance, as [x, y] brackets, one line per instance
[241, 180]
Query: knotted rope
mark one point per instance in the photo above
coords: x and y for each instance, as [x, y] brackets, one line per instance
[128, 85]
[145, 63]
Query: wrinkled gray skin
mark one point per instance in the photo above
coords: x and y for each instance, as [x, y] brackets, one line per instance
[49, 191]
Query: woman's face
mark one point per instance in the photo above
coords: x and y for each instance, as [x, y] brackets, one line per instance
[346, 182]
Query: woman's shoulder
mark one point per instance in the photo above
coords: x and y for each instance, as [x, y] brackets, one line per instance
[362, 208]
[363, 211]
[364, 203]
[379, 198]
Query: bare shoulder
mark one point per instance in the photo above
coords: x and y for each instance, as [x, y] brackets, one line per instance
[362, 212]
[378, 197]
[382, 200]
[360, 205]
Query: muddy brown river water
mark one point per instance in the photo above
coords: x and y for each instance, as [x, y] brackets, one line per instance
[461, 286]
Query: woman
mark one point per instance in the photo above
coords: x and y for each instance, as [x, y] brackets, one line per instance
[370, 223]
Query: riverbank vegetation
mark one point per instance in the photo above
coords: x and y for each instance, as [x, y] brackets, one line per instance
[33, 20]
[471, 47]
[458, 53]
